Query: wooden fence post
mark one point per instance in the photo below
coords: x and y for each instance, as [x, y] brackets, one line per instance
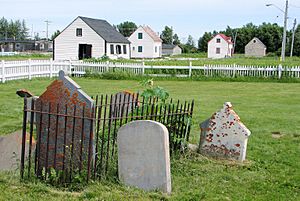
[143, 68]
[234, 69]
[3, 71]
[107, 66]
[279, 71]
[29, 69]
[51, 67]
[190, 69]
[70, 68]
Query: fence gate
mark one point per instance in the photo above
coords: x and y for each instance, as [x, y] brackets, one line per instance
[63, 146]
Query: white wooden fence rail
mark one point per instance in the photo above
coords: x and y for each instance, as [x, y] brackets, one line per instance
[13, 70]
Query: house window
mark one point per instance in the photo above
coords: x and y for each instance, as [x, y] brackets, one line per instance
[133, 48]
[218, 40]
[140, 48]
[118, 49]
[218, 50]
[140, 35]
[78, 32]
[124, 49]
[155, 49]
[112, 49]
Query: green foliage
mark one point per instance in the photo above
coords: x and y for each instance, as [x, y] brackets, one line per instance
[167, 35]
[202, 42]
[16, 30]
[153, 92]
[271, 171]
[176, 40]
[269, 34]
[127, 28]
[297, 42]
[55, 34]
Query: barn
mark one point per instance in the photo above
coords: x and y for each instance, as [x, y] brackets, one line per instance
[87, 38]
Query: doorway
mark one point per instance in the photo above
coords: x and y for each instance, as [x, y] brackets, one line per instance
[85, 51]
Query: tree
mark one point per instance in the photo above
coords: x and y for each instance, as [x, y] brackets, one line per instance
[176, 40]
[55, 34]
[127, 28]
[202, 42]
[16, 30]
[167, 35]
[190, 41]
[297, 42]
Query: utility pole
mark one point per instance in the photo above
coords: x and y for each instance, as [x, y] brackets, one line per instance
[47, 25]
[284, 31]
[293, 37]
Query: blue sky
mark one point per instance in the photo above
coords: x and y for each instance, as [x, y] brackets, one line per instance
[185, 16]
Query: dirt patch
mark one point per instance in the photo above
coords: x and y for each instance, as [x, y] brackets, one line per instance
[277, 135]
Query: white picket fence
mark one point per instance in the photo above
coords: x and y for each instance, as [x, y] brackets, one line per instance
[13, 70]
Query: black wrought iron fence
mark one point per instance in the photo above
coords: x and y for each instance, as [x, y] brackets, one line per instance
[66, 143]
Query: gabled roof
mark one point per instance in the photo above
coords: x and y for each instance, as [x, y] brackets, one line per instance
[168, 46]
[257, 41]
[105, 30]
[152, 34]
[226, 38]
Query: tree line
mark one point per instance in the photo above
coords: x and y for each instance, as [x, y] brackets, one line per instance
[15, 30]
[270, 34]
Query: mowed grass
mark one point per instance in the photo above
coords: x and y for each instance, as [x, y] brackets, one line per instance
[271, 172]
[236, 59]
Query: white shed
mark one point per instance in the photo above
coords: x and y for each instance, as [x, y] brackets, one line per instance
[87, 38]
[145, 43]
[220, 46]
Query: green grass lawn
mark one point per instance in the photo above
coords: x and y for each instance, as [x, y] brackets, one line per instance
[26, 56]
[238, 60]
[271, 172]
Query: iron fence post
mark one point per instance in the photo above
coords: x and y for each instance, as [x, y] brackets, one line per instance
[23, 138]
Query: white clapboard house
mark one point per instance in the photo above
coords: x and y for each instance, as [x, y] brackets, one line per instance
[145, 43]
[220, 46]
[87, 38]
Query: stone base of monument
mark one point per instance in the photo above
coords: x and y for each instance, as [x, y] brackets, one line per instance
[10, 150]
[143, 156]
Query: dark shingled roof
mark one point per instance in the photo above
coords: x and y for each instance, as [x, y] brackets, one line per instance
[105, 30]
[168, 46]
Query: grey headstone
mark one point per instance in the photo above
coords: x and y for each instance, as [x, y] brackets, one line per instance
[67, 95]
[143, 155]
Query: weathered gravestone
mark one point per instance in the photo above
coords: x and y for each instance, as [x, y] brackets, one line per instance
[224, 135]
[64, 139]
[123, 103]
[143, 155]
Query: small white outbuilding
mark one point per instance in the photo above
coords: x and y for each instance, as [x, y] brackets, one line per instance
[220, 46]
[87, 38]
[145, 43]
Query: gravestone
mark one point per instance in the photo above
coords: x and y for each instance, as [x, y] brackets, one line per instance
[60, 138]
[123, 103]
[224, 135]
[143, 155]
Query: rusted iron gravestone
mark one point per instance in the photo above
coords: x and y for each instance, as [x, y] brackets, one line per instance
[224, 135]
[64, 127]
